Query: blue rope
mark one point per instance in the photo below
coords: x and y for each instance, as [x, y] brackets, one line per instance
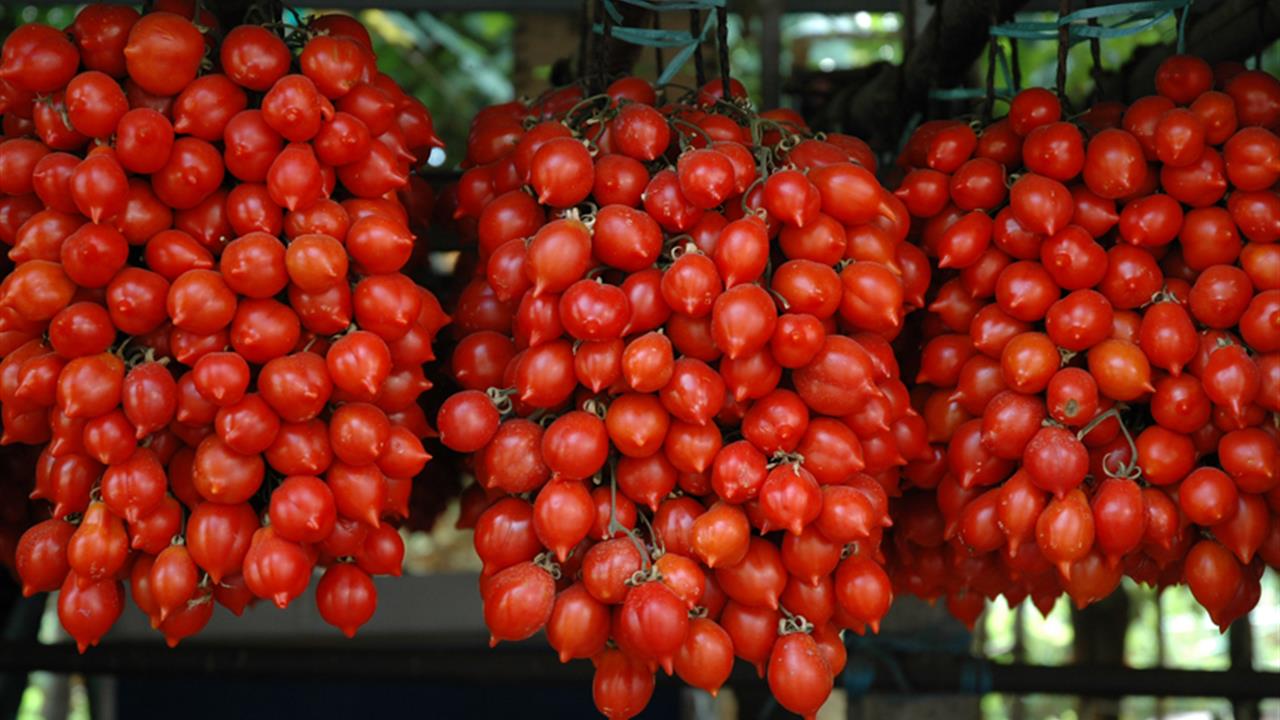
[975, 677]
[658, 37]
[867, 655]
[1182, 29]
[1138, 17]
[965, 93]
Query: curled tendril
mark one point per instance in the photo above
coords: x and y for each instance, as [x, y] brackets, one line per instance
[725, 107]
[790, 624]
[596, 407]
[759, 125]
[641, 577]
[585, 102]
[1129, 470]
[789, 142]
[544, 561]
[1124, 471]
[678, 245]
[685, 141]
[501, 399]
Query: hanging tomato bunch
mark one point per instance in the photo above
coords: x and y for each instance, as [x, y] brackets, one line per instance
[1099, 370]
[208, 331]
[676, 388]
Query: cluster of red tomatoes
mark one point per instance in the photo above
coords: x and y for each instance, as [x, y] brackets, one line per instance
[677, 389]
[207, 330]
[1100, 364]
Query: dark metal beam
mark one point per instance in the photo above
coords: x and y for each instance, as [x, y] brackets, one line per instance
[21, 625]
[791, 6]
[531, 662]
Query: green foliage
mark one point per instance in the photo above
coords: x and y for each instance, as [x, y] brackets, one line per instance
[456, 63]
[55, 15]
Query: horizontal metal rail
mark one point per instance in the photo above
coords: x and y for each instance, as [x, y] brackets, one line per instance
[532, 662]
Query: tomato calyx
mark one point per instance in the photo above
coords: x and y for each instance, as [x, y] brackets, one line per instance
[501, 399]
[783, 457]
[640, 577]
[547, 562]
[790, 624]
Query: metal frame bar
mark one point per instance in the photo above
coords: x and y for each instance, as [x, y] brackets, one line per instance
[528, 663]
[790, 6]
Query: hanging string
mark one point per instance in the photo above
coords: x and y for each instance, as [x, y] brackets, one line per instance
[602, 53]
[695, 26]
[722, 42]
[1137, 17]
[1064, 44]
[657, 49]
[1068, 29]
[1095, 54]
[684, 42]
[938, 12]
[908, 28]
[937, 25]
[1182, 28]
[989, 106]
[1262, 34]
[908, 44]
[585, 34]
[1017, 64]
